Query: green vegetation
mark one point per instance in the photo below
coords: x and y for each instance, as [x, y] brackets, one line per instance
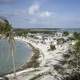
[76, 35]
[34, 59]
[5, 27]
[23, 32]
[34, 62]
[52, 47]
[73, 62]
[77, 46]
[60, 41]
[74, 76]
[65, 33]
[77, 55]
[71, 38]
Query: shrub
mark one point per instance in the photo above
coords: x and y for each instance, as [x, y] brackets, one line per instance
[75, 76]
[77, 46]
[76, 35]
[34, 60]
[52, 47]
[60, 41]
[65, 33]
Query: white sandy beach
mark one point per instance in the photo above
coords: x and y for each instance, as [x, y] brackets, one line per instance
[47, 60]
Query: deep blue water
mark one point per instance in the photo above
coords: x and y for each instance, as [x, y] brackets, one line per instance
[21, 54]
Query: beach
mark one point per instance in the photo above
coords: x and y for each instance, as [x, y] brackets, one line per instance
[46, 60]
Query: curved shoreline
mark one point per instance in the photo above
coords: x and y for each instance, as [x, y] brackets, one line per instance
[28, 64]
[34, 51]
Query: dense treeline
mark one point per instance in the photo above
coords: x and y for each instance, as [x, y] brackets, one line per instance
[23, 32]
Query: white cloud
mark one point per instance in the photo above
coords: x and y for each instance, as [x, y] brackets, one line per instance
[33, 9]
[45, 14]
[37, 15]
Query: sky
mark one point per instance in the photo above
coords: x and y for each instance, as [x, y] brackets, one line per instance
[41, 13]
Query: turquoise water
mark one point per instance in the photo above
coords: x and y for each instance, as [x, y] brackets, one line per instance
[22, 54]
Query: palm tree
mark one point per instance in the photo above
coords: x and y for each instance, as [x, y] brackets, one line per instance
[12, 48]
[6, 29]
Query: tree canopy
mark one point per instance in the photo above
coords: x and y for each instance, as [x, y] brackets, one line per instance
[5, 27]
[76, 35]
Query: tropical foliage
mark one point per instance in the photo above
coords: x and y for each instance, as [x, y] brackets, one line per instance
[5, 27]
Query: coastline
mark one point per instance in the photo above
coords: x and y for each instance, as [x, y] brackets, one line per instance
[47, 60]
[28, 65]
[33, 54]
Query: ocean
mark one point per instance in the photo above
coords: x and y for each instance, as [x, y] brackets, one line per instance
[21, 55]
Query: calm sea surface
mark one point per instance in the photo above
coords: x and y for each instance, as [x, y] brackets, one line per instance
[22, 54]
[66, 29]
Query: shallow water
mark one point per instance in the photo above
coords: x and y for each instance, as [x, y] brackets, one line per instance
[22, 54]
